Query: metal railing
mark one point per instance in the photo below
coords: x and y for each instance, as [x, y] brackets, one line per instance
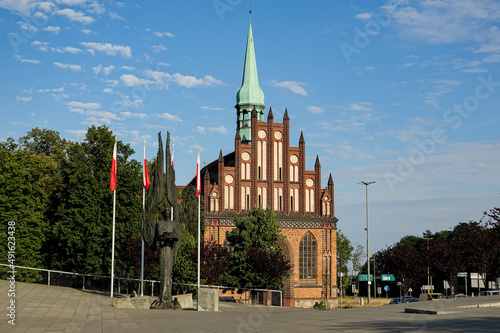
[256, 296]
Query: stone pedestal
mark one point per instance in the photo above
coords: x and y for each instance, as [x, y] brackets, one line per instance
[208, 299]
[186, 300]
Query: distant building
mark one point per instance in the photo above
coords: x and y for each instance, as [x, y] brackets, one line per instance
[265, 171]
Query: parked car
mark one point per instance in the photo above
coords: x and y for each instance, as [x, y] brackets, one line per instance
[431, 297]
[399, 300]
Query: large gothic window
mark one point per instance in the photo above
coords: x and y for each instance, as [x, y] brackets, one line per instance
[307, 257]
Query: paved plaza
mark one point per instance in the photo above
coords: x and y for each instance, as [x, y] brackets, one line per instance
[41, 308]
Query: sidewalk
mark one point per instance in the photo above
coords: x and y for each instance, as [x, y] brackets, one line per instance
[41, 308]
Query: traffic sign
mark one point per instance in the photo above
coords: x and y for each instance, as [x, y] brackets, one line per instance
[386, 288]
[388, 277]
[364, 277]
[462, 274]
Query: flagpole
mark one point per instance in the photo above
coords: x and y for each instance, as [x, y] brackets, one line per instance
[198, 192]
[113, 245]
[112, 186]
[145, 185]
[142, 247]
[199, 237]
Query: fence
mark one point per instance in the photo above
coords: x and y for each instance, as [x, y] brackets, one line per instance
[127, 285]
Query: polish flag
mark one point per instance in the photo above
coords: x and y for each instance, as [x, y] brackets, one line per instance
[112, 185]
[172, 159]
[198, 180]
[145, 174]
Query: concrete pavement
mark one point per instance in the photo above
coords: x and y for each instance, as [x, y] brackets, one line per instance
[41, 308]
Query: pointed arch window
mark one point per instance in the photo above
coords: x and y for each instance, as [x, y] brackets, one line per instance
[307, 257]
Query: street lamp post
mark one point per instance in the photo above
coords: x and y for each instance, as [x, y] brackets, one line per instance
[367, 239]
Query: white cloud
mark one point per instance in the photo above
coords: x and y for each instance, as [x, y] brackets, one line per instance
[21, 6]
[66, 49]
[445, 21]
[97, 69]
[363, 16]
[75, 16]
[221, 129]
[46, 6]
[111, 83]
[42, 46]
[115, 16]
[361, 70]
[132, 81]
[53, 30]
[163, 34]
[79, 134]
[99, 117]
[87, 31]
[77, 110]
[128, 114]
[23, 99]
[30, 61]
[361, 106]
[109, 49]
[108, 91]
[28, 27]
[441, 87]
[350, 121]
[170, 117]
[315, 109]
[86, 106]
[158, 48]
[211, 108]
[128, 68]
[72, 2]
[56, 90]
[106, 70]
[293, 86]
[74, 68]
[96, 8]
[188, 81]
[128, 103]
[200, 129]
[346, 151]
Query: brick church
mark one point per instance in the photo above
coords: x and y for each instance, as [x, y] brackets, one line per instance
[264, 170]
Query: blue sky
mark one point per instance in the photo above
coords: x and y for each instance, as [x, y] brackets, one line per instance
[404, 93]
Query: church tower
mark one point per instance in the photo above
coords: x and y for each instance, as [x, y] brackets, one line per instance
[267, 171]
[250, 96]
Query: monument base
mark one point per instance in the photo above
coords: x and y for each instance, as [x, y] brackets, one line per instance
[208, 299]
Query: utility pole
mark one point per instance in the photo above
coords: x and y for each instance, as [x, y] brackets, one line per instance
[367, 239]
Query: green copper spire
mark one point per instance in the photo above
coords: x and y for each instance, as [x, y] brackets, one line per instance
[249, 95]
[250, 92]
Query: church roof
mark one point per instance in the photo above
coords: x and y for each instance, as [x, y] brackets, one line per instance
[250, 92]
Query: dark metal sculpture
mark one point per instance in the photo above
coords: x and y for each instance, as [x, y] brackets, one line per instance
[161, 230]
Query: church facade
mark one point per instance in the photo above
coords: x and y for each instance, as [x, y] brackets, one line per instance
[264, 170]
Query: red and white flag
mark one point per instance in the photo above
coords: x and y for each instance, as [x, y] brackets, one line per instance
[112, 184]
[198, 180]
[173, 147]
[145, 174]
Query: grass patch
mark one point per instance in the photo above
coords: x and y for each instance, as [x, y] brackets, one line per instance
[355, 302]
